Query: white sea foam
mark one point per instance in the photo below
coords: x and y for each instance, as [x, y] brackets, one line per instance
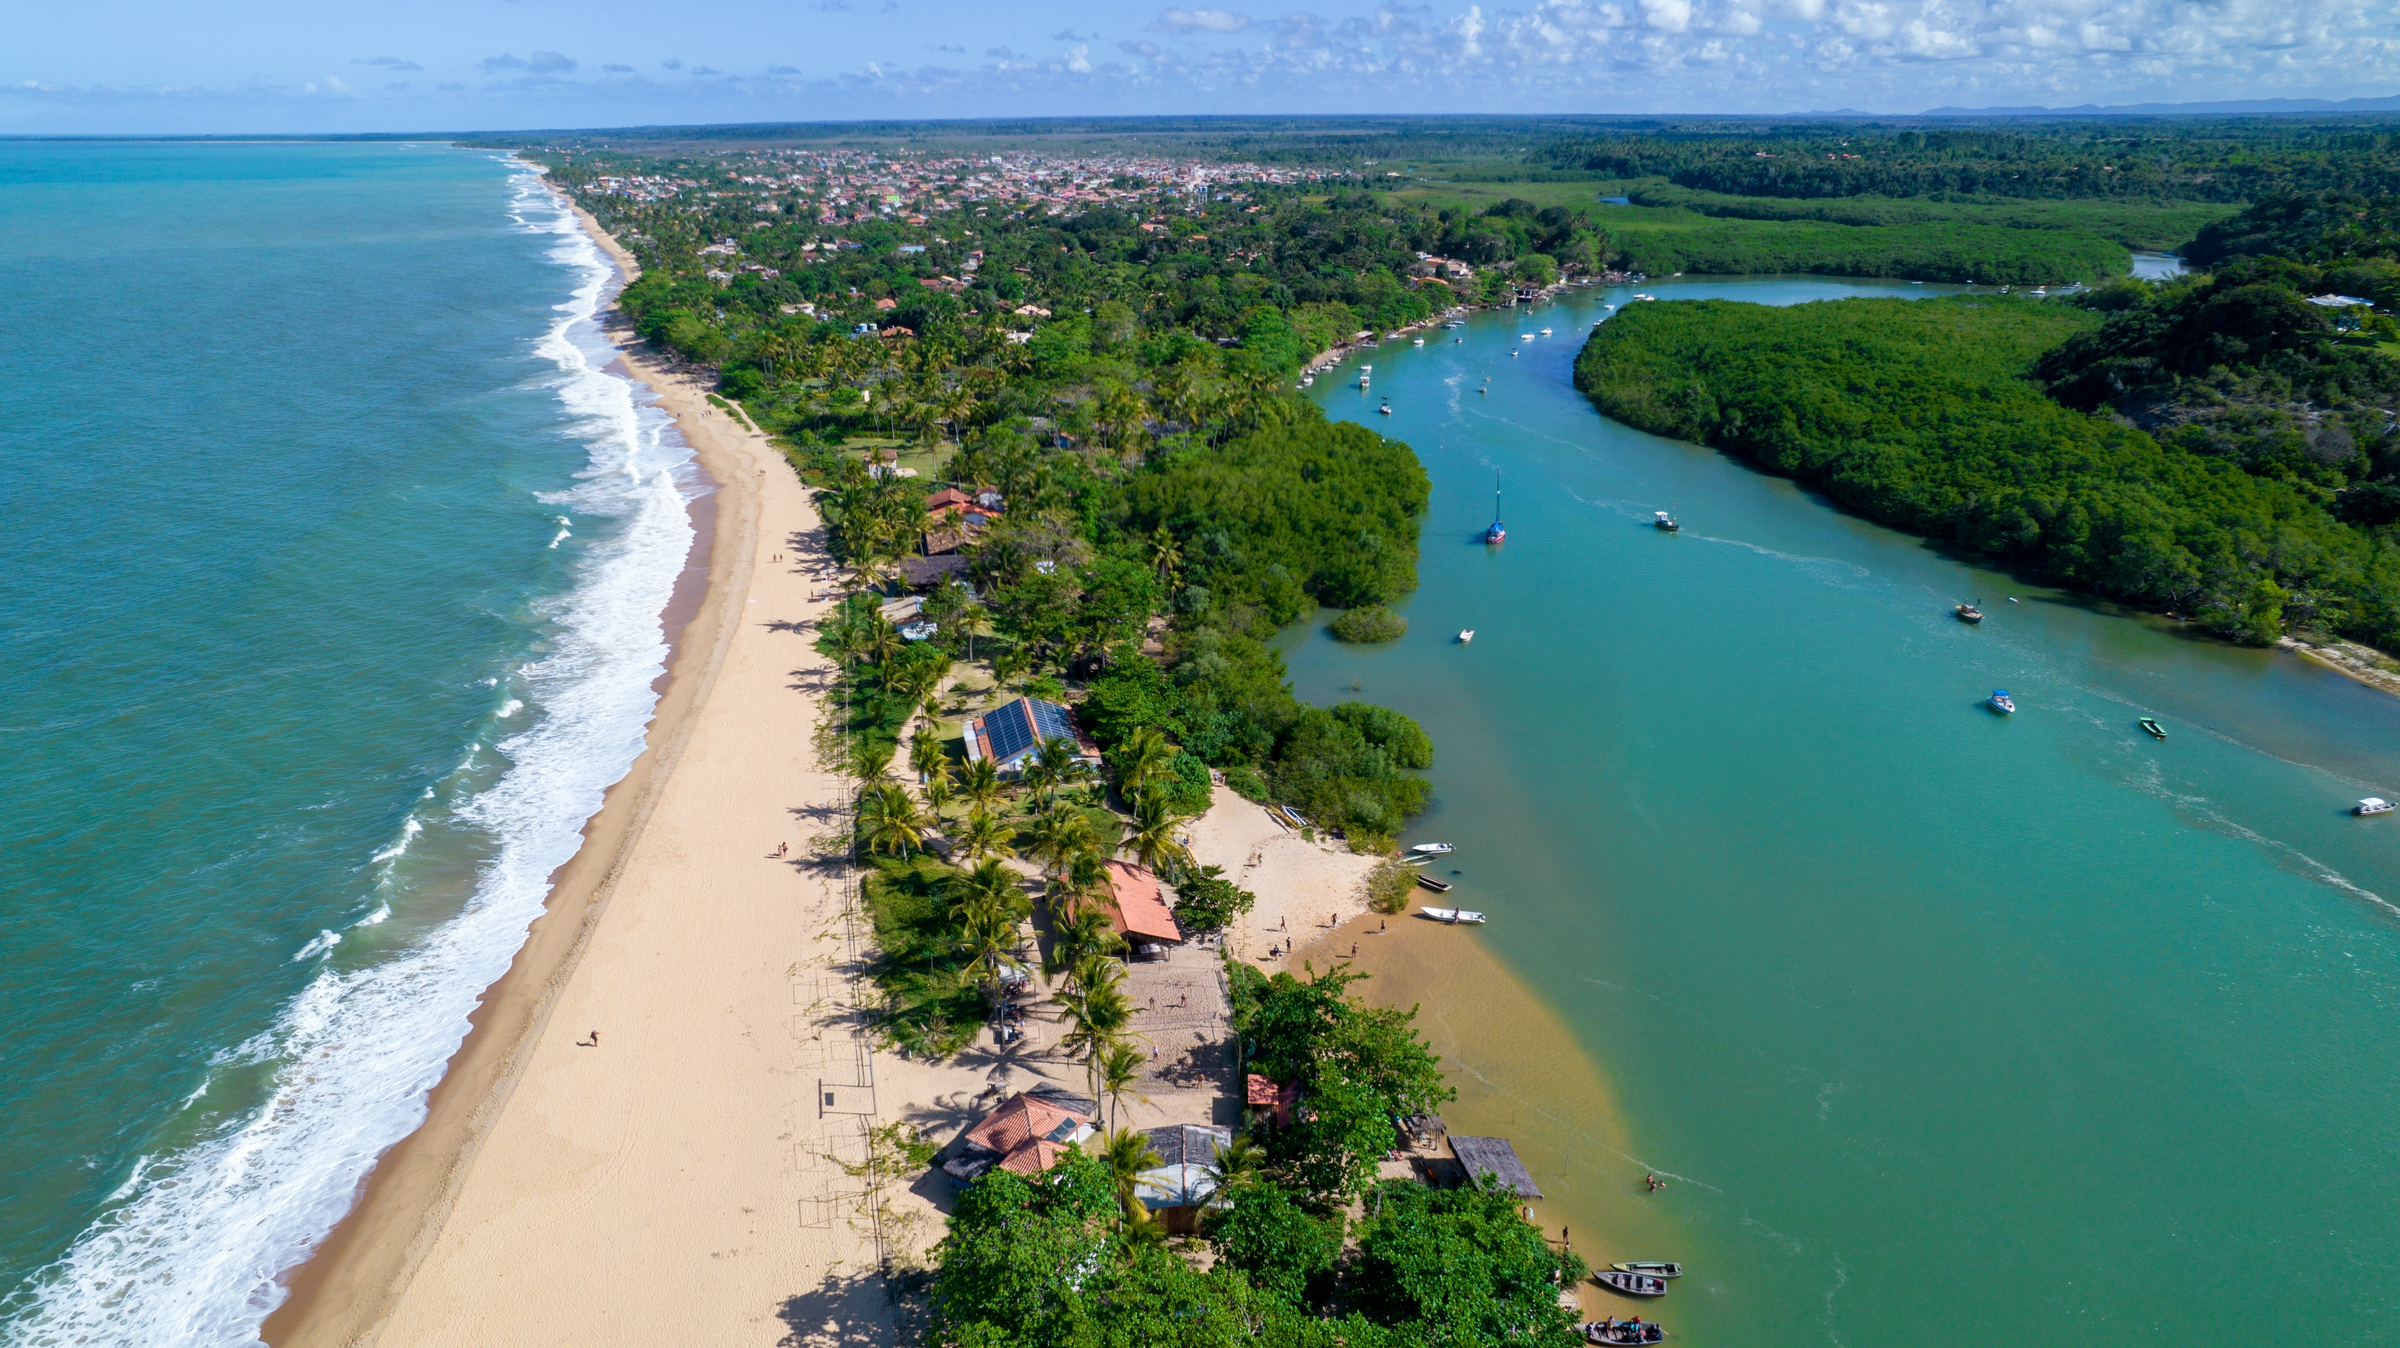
[325, 941]
[409, 829]
[190, 1255]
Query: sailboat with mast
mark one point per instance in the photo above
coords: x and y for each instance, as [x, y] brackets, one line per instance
[1498, 532]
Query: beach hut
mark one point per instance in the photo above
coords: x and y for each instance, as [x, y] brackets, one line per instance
[1480, 1156]
[1181, 1185]
[1268, 1100]
[1138, 911]
[1024, 1134]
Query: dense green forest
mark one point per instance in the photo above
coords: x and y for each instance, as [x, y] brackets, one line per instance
[2149, 225]
[1928, 415]
[1662, 242]
[2230, 160]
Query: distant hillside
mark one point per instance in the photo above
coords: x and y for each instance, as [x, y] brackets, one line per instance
[2227, 108]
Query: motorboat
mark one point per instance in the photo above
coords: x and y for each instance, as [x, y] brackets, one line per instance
[2157, 731]
[1623, 1331]
[1455, 916]
[1466, 635]
[1419, 342]
[1656, 1268]
[1437, 886]
[1631, 1284]
[2000, 702]
[1545, 332]
[2372, 805]
[1433, 849]
[1663, 522]
[1386, 409]
[1363, 379]
[1524, 336]
[1968, 613]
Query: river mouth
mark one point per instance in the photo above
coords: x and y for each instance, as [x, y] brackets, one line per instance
[1938, 1016]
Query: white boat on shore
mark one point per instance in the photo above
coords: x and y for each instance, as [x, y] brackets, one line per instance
[1453, 916]
[1433, 849]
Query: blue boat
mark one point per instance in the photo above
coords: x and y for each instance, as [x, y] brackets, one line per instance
[1999, 701]
[1498, 532]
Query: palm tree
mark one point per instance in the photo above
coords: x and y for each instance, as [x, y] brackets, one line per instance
[888, 820]
[1097, 1015]
[1061, 764]
[925, 755]
[1152, 839]
[1127, 1154]
[1059, 833]
[868, 762]
[1120, 1070]
[1038, 778]
[986, 836]
[1145, 757]
[981, 786]
[883, 640]
[1242, 1162]
[988, 933]
[1074, 936]
[1165, 556]
[1086, 876]
[937, 795]
[973, 619]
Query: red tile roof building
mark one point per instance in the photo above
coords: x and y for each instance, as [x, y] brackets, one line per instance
[1136, 908]
[1025, 1134]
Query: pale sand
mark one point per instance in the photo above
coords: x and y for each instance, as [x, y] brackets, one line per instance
[677, 1183]
[1300, 885]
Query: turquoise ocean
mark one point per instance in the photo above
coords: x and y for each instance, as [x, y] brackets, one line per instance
[1946, 1027]
[333, 604]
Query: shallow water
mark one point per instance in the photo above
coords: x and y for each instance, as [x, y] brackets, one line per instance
[334, 606]
[1935, 1019]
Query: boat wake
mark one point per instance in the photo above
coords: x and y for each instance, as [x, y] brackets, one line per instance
[191, 1252]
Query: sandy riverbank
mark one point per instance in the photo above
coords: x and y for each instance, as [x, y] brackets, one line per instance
[678, 1181]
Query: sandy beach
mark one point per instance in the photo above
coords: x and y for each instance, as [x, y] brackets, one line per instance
[680, 1179]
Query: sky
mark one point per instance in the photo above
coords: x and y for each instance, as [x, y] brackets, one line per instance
[298, 66]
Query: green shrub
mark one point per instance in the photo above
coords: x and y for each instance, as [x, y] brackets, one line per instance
[1371, 623]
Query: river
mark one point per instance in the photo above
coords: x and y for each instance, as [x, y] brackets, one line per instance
[1944, 1026]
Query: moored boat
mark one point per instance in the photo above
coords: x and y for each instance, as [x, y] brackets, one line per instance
[1437, 886]
[1623, 1331]
[1466, 636]
[1498, 533]
[1663, 522]
[1631, 1284]
[1386, 409]
[1656, 1268]
[1545, 332]
[1433, 849]
[2372, 805]
[2001, 702]
[1454, 916]
[1968, 613]
[2156, 730]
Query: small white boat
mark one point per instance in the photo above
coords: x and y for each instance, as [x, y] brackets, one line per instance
[1635, 1331]
[1419, 342]
[1631, 1284]
[1524, 336]
[2001, 702]
[1664, 522]
[1545, 332]
[2372, 805]
[1433, 849]
[1466, 636]
[1453, 916]
[1656, 1268]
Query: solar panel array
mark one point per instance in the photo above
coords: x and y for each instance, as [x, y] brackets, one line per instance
[1025, 724]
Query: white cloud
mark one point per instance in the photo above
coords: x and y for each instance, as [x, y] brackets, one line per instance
[1200, 21]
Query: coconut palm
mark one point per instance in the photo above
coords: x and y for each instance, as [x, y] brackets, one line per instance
[1152, 839]
[1061, 764]
[986, 836]
[889, 821]
[974, 620]
[938, 792]
[1165, 555]
[1074, 938]
[883, 640]
[1096, 1015]
[1242, 1162]
[1120, 1071]
[988, 933]
[1127, 1154]
[925, 756]
[1059, 833]
[1085, 876]
[1145, 757]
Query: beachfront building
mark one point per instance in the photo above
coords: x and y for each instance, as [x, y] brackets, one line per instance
[1025, 1134]
[1494, 1156]
[1137, 910]
[1017, 732]
[1179, 1188]
[1271, 1103]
